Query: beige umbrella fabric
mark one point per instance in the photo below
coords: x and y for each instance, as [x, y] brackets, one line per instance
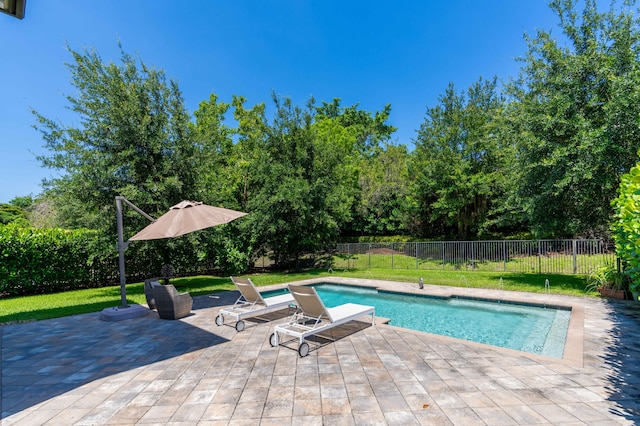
[185, 217]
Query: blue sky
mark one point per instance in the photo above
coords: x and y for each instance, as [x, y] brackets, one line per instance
[370, 52]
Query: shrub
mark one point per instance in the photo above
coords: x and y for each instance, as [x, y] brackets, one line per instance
[626, 224]
[44, 260]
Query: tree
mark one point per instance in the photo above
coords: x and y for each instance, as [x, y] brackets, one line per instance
[131, 138]
[291, 209]
[461, 163]
[383, 185]
[213, 144]
[373, 169]
[576, 114]
[369, 130]
[10, 213]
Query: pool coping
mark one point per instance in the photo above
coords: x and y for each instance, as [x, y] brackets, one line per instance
[573, 353]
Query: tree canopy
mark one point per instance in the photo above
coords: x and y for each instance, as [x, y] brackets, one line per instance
[575, 114]
[543, 153]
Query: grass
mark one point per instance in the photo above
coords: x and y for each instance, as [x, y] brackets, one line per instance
[563, 264]
[39, 307]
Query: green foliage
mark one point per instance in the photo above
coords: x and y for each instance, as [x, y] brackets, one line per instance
[383, 187]
[290, 212]
[368, 130]
[544, 160]
[461, 166]
[46, 260]
[575, 117]
[131, 139]
[12, 213]
[25, 202]
[231, 260]
[606, 277]
[626, 224]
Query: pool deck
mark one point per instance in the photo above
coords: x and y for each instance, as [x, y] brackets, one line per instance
[80, 370]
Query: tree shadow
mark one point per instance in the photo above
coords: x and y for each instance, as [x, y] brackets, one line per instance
[44, 359]
[621, 356]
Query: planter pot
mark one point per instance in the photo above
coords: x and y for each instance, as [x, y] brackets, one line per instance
[612, 293]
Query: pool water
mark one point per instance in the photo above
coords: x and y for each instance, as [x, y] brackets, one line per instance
[532, 329]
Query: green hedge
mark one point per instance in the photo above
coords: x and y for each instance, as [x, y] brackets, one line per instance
[41, 261]
[36, 261]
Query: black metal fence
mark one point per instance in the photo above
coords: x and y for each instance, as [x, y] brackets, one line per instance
[537, 256]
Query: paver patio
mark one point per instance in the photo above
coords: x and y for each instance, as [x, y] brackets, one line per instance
[82, 371]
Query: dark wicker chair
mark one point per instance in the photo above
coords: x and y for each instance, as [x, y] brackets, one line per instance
[148, 291]
[171, 304]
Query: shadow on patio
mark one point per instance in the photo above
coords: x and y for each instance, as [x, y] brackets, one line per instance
[621, 357]
[43, 359]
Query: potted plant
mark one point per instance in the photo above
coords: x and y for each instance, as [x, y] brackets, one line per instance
[609, 282]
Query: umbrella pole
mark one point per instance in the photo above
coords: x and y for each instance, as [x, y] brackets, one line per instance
[121, 248]
[120, 313]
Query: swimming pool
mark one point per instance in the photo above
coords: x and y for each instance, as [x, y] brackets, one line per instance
[533, 329]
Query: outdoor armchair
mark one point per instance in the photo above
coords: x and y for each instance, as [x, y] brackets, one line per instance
[171, 304]
[148, 291]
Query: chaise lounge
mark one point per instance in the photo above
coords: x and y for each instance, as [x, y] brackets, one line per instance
[312, 317]
[251, 303]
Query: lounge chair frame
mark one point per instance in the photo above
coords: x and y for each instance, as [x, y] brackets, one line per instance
[251, 303]
[317, 319]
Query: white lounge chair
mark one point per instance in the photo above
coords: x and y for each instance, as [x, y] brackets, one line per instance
[312, 317]
[251, 303]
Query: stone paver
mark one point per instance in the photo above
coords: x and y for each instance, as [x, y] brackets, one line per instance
[80, 370]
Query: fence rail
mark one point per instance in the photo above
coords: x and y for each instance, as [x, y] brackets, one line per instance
[538, 256]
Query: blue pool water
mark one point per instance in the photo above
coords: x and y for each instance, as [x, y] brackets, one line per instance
[522, 327]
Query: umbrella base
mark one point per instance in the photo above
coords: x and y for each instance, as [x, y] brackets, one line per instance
[120, 313]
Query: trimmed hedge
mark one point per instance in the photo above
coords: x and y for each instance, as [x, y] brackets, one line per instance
[42, 261]
[37, 261]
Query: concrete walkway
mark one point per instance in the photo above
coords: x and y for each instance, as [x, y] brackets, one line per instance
[82, 371]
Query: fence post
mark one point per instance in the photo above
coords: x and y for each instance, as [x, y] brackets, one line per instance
[369, 255]
[473, 254]
[504, 254]
[416, 250]
[575, 256]
[539, 258]
[392, 247]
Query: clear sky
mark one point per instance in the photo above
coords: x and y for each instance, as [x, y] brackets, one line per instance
[371, 52]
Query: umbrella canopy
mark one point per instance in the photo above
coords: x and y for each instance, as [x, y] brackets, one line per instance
[185, 217]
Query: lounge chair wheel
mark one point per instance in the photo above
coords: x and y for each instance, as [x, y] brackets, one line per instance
[240, 325]
[303, 349]
[272, 340]
[219, 320]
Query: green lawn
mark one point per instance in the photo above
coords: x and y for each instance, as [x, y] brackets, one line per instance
[530, 264]
[40, 307]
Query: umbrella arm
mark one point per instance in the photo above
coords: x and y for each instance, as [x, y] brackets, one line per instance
[122, 245]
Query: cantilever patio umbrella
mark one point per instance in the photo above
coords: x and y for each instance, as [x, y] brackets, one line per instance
[183, 218]
[186, 217]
